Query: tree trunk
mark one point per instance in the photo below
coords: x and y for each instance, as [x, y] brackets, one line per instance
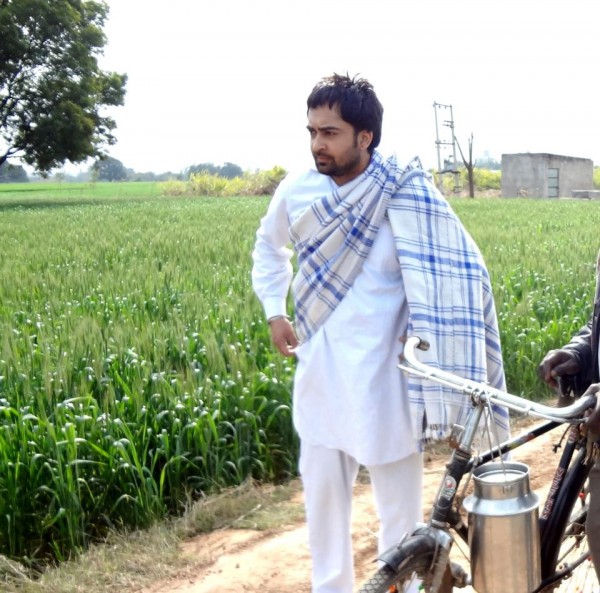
[471, 180]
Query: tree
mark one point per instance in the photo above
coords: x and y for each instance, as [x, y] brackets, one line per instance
[110, 169]
[227, 171]
[52, 91]
[230, 171]
[12, 174]
[468, 165]
[208, 168]
[487, 162]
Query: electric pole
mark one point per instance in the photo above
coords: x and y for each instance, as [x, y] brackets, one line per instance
[449, 165]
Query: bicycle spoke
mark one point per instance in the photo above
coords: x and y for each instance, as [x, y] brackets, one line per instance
[574, 554]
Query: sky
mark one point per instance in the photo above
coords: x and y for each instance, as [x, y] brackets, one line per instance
[227, 80]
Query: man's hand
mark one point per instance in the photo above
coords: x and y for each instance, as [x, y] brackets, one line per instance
[283, 336]
[555, 364]
[592, 424]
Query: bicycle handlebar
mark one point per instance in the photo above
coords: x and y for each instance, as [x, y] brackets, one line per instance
[572, 414]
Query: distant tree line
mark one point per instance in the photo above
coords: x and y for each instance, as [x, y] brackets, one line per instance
[488, 162]
[227, 171]
[112, 169]
[12, 173]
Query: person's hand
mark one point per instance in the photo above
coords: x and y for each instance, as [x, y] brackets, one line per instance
[592, 423]
[283, 336]
[555, 364]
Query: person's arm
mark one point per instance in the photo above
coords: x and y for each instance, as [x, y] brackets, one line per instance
[570, 367]
[272, 272]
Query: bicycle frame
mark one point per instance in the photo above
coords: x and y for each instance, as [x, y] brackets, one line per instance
[435, 534]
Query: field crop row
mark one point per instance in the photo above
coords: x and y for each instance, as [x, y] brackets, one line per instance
[136, 370]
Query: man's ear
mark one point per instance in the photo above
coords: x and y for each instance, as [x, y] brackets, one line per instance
[364, 139]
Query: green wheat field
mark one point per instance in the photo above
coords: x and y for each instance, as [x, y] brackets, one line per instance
[136, 370]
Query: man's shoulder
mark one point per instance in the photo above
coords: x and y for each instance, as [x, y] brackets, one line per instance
[306, 175]
[304, 179]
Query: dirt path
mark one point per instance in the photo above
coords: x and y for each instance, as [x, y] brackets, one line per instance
[278, 560]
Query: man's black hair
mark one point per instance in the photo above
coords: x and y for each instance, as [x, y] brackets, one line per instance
[356, 100]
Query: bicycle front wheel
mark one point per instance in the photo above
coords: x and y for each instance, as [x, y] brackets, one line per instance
[387, 580]
[566, 562]
[411, 577]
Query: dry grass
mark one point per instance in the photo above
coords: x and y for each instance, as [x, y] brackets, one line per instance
[129, 563]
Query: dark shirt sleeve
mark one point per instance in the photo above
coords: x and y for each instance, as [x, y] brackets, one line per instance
[581, 347]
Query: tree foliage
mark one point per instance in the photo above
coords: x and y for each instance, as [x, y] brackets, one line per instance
[12, 174]
[226, 171]
[52, 91]
[110, 169]
[487, 162]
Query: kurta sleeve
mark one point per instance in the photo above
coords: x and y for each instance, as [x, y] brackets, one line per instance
[272, 268]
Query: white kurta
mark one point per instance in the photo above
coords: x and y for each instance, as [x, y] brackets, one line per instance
[348, 391]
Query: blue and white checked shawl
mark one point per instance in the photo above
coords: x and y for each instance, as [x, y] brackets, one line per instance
[446, 282]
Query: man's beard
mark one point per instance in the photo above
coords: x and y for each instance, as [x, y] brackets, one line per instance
[334, 169]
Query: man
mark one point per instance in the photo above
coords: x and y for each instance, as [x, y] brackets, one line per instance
[571, 370]
[380, 255]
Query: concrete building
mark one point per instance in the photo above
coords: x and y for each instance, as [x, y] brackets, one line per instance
[541, 175]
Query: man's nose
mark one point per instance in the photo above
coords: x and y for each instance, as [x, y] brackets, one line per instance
[318, 143]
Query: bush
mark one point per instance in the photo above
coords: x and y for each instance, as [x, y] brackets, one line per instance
[484, 179]
[263, 183]
[259, 183]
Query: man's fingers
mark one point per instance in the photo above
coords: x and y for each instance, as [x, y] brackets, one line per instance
[556, 364]
[566, 368]
[283, 336]
[592, 422]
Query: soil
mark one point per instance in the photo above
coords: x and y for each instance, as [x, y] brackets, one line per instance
[278, 560]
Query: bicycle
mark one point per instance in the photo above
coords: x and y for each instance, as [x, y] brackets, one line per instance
[424, 555]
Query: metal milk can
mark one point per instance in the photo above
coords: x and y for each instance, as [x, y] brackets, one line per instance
[503, 529]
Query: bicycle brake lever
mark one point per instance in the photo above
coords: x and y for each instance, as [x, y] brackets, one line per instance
[423, 344]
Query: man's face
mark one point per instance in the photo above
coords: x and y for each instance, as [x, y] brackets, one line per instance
[337, 149]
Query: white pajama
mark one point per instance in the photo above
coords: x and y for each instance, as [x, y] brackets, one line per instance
[328, 477]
